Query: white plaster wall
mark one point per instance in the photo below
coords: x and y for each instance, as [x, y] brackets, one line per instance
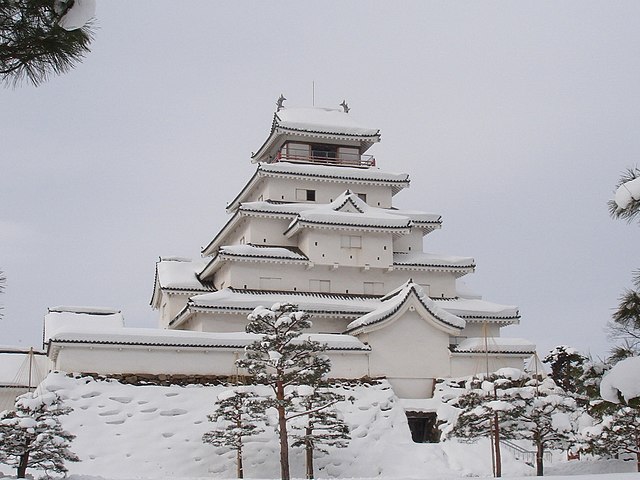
[474, 329]
[267, 231]
[284, 190]
[410, 351]
[463, 365]
[324, 247]
[141, 359]
[344, 279]
[411, 242]
[108, 359]
[171, 305]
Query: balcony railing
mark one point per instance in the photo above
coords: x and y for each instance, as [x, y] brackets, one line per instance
[324, 159]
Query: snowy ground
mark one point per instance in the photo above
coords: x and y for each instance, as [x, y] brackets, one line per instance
[133, 432]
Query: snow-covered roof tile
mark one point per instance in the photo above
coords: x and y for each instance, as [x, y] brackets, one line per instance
[181, 274]
[495, 345]
[259, 251]
[327, 172]
[393, 301]
[184, 338]
[247, 300]
[432, 260]
[470, 308]
[321, 120]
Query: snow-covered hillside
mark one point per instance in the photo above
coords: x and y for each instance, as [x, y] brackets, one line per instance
[127, 431]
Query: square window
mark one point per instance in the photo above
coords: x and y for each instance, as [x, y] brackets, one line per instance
[351, 241]
[305, 195]
[320, 286]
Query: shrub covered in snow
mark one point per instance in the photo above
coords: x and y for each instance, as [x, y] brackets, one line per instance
[31, 436]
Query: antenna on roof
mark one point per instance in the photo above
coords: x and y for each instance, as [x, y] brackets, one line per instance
[280, 102]
[345, 106]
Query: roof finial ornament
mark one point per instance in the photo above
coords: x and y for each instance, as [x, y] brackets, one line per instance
[345, 106]
[280, 102]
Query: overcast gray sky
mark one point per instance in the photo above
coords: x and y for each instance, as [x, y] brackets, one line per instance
[514, 120]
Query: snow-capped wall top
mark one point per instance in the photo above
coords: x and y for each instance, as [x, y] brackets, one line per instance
[496, 345]
[623, 378]
[186, 338]
[84, 309]
[61, 318]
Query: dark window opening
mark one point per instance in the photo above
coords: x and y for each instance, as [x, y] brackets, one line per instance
[324, 151]
[423, 427]
[311, 195]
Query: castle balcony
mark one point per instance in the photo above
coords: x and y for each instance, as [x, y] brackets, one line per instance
[325, 156]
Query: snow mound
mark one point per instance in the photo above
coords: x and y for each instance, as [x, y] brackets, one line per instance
[128, 431]
[624, 377]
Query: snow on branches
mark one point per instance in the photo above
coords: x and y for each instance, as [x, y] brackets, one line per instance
[31, 436]
[235, 415]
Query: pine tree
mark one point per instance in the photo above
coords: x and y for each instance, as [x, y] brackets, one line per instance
[322, 425]
[281, 359]
[625, 326]
[618, 433]
[31, 436]
[566, 367]
[237, 410]
[485, 410]
[543, 413]
[33, 44]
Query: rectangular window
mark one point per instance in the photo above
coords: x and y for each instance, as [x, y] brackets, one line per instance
[362, 196]
[270, 283]
[320, 286]
[305, 195]
[373, 288]
[351, 241]
[324, 151]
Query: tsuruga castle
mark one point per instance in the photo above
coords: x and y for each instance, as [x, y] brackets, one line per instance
[314, 226]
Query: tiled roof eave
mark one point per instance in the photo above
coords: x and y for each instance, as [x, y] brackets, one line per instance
[494, 352]
[306, 132]
[62, 341]
[259, 258]
[469, 268]
[375, 181]
[187, 291]
[239, 309]
[350, 226]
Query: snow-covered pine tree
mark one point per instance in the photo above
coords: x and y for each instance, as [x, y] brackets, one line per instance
[237, 410]
[544, 415]
[486, 410]
[31, 436]
[566, 367]
[322, 426]
[283, 358]
[617, 433]
[625, 326]
[37, 38]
